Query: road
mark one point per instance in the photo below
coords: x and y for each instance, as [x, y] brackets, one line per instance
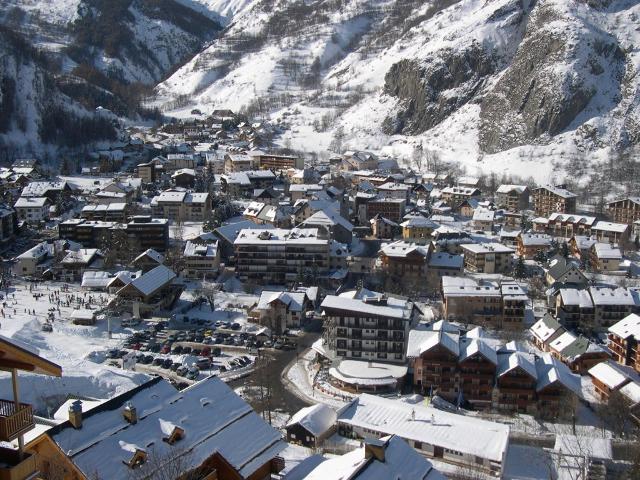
[274, 363]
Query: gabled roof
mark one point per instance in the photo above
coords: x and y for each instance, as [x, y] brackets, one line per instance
[550, 370]
[317, 419]
[480, 347]
[520, 360]
[153, 280]
[545, 328]
[151, 254]
[213, 417]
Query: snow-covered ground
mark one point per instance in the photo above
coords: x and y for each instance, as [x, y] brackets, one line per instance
[79, 350]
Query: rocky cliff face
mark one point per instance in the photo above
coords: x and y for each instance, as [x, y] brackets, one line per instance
[429, 92]
[553, 77]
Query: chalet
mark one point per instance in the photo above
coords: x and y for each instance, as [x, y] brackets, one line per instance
[565, 272]
[394, 190]
[574, 308]
[383, 228]
[577, 352]
[310, 426]
[182, 205]
[625, 210]
[580, 246]
[148, 260]
[387, 457]
[109, 212]
[545, 331]
[487, 257]
[185, 177]
[75, 263]
[623, 341]
[611, 232]
[443, 264]
[83, 317]
[513, 198]
[517, 379]
[121, 436]
[281, 311]
[405, 259]
[483, 219]
[529, 244]
[32, 209]
[150, 291]
[605, 257]
[418, 229]
[359, 161]
[333, 224]
[454, 196]
[201, 260]
[566, 225]
[609, 377]
[547, 200]
[460, 440]
[434, 355]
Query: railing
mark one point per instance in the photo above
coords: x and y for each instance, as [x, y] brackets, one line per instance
[14, 421]
[12, 468]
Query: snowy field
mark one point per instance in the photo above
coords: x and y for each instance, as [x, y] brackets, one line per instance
[77, 349]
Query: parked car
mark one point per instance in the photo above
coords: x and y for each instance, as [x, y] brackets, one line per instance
[193, 373]
[174, 366]
[206, 351]
[203, 363]
[182, 370]
[147, 359]
[186, 349]
[157, 361]
[177, 350]
[165, 349]
[167, 363]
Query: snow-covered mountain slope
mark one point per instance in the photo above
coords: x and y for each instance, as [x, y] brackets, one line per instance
[33, 111]
[516, 86]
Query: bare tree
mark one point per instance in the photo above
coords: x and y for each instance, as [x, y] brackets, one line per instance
[170, 465]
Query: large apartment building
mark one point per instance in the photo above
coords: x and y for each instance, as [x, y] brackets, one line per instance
[496, 305]
[487, 257]
[549, 199]
[513, 198]
[623, 341]
[144, 231]
[626, 210]
[280, 255]
[364, 325]
[182, 205]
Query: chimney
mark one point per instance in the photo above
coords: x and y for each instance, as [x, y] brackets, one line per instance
[75, 414]
[374, 448]
[130, 413]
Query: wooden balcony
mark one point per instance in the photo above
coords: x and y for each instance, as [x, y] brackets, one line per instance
[13, 468]
[14, 421]
[277, 464]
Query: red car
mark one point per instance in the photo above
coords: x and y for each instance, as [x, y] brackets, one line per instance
[136, 346]
[165, 349]
[206, 352]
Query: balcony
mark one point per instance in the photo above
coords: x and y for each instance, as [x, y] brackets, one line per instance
[14, 421]
[12, 468]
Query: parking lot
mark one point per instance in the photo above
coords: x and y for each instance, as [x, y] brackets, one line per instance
[187, 355]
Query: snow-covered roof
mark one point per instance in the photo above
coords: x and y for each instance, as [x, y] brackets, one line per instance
[512, 360]
[401, 462]
[571, 218]
[483, 248]
[294, 300]
[473, 346]
[91, 279]
[362, 372]
[631, 391]
[611, 296]
[465, 287]
[545, 328]
[31, 202]
[317, 419]
[561, 192]
[446, 260]
[592, 446]
[610, 227]
[428, 425]
[80, 257]
[550, 370]
[213, 417]
[511, 188]
[533, 239]
[152, 254]
[607, 251]
[192, 249]
[573, 296]
[279, 236]
[629, 326]
[328, 218]
[483, 215]
[393, 308]
[419, 222]
[611, 374]
[153, 280]
[402, 248]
